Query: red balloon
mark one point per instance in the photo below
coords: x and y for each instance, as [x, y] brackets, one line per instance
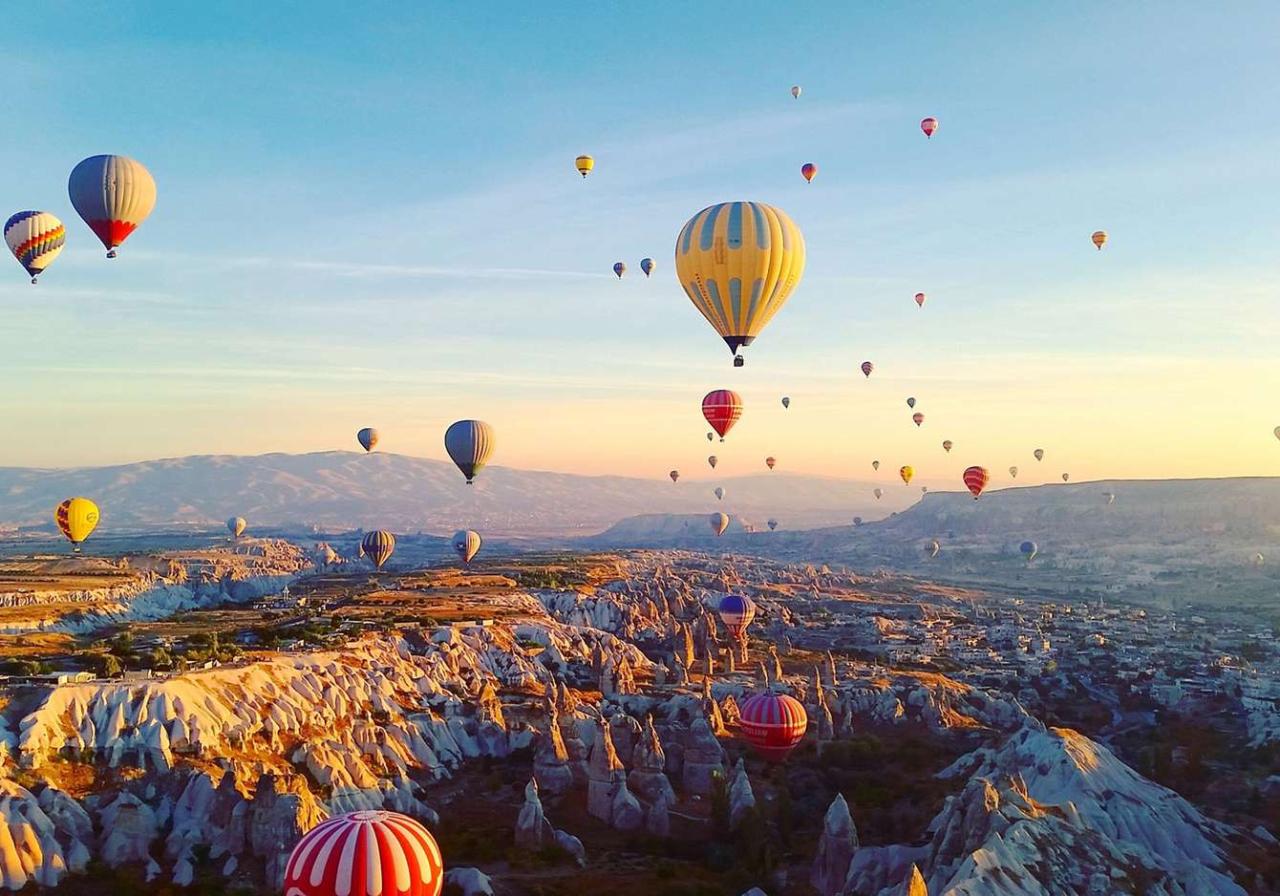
[808, 169]
[920, 297]
[366, 854]
[769, 462]
[918, 418]
[722, 408]
[929, 125]
[975, 479]
[773, 724]
[867, 367]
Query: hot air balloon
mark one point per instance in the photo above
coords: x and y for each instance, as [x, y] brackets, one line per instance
[1038, 454]
[906, 473]
[975, 480]
[857, 521]
[929, 126]
[878, 493]
[1066, 476]
[1258, 559]
[466, 544]
[1099, 239]
[1030, 549]
[934, 548]
[867, 367]
[770, 461]
[808, 171]
[236, 526]
[739, 262]
[737, 611]
[711, 437]
[646, 265]
[1013, 471]
[719, 493]
[76, 518]
[113, 194]
[773, 724]
[378, 546]
[924, 489]
[911, 402]
[584, 164]
[920, 299]
[1110, 496]
[786, 401]
[719, 522]
[795, 92]
[469, 444]
[773, 524]
[369, 853]
[875, 465]
[35, 239]
[713, 460]
[368, 438]
[674, 474]
[917, 418]
[619, 268]
[722, 408]
[946, 445]
[1276, 432]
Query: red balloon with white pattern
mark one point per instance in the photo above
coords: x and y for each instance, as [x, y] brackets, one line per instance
[975, 480]
[774, 724]
[366, 854]
[722, 408]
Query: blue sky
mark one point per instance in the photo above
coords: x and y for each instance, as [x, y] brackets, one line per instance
[374, 220]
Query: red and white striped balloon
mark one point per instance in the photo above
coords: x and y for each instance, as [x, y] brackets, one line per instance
[773, 724]
[722, 408]
[929, 126]
[975, 480]
[365, 854]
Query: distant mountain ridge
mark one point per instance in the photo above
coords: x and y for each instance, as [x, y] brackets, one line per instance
[338, 490]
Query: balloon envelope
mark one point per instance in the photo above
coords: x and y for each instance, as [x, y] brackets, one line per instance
[469, 444]
[786, 401]
[722, 408]
[867, 367]
[796, 91]
[875, 465]
[646, 265]
[770, 461]
[911, 402]
[1066, 476]
[719, 522]
[619, 268]
[713, 460]
[674, 474]
[917, 418]
[236, 526]
[1099, 239]
[920, 299]
[368, 438]
[378, 546]
[808, 170]
[906, 473]
[1030, 549]
[466, 544]
[878, 493]
[737, 611]
[1038, 454]
[975, 480]
[584, 164]
[773, 524]
[929, 125]
[113, 195]
[719, 493]
[369, 852]
[773, 724]
[76, 519]
[1013, 471]
[35, 239]
[934, 548]
[946, 446]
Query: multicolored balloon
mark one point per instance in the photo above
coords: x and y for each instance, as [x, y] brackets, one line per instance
[584, 164]
[675, 475]
[1110, 496]
[975, 480]
[378, 546]
[739, 263]
[773, 724]
[368, 438]
[466, 544]
[773, 524]
[929, 126]
[795, 92]
[722, 408]
[1029, 550]
[619, 268]
[76, 519]
[920, 299]
[469, 444]
[35, 239]
[236, 526]
[946, 445]
[113, 195]
[917, 418]
[770, 461]
[934, 548]
[369, 853]
[646, 265]
[719, 522]
[1099, 239]
[808, 171]
[736, 612]
[867, 367]
[906, 473]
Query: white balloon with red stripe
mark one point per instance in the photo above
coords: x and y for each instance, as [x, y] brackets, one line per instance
[366, 854]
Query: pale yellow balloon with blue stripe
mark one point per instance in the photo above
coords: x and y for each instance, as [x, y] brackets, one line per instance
[739, 263]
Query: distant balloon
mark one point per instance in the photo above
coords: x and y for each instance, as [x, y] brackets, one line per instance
[878, 492]
[719, 493]
[466, 544]
[378, 546]
[368, 438]
[867, 367]
[619, 268]
[920, 299]
[946, 445]
[646, 265]
[1276, 432]
[1013, 471]
[711, 437]
[722, 408]
[713, 460]
[770, 461]
[113, 195]
[584, 164]
[808, 171]
[736, 612]
[675, 475]
[796, 91]
[367, 853]
[1066, 476]
[469, 444]
[719, 522]
[773, 524]
[723, 244]
[924, 489]
[934, 548]
[773, 724]
[1030, 549]
[76, 519]
[875, 465]
[1038, 453]
[906, 473]
[857, 521]
[917, 418]
[236, 526]
[911, 402]
[786, 401]
[1258, 559]
[1099, 239]
[929, 126]
[1110, 496]
[35, 239]
[975, 480]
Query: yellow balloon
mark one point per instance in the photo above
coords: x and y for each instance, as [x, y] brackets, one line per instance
[739, 262]
[906, 473]
[77, 518]
[584, 164]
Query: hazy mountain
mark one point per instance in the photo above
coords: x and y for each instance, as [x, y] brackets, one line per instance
[338, 490]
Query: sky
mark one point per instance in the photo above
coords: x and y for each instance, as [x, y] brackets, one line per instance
[374, 220]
